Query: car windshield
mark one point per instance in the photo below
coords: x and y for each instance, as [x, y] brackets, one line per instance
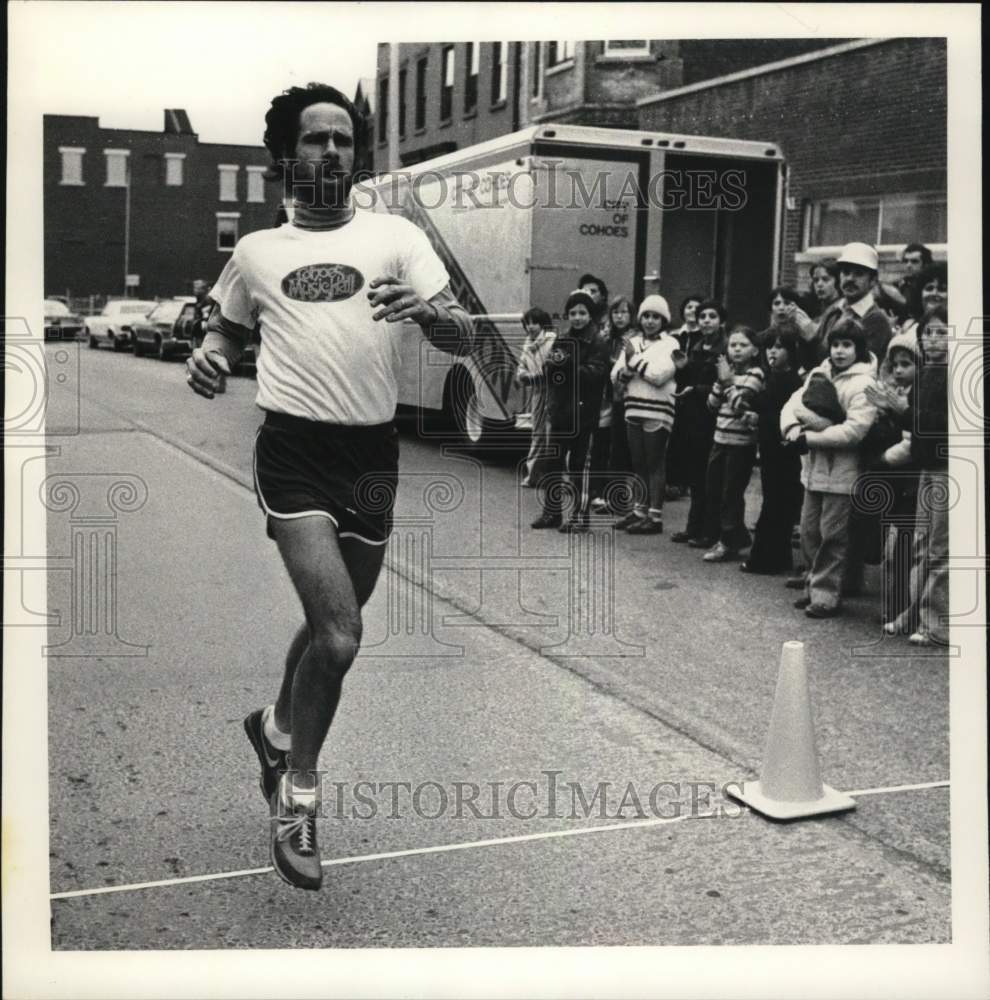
[55, 308]
[166, 312]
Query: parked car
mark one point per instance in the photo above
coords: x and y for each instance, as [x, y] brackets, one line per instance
[169, 329]
[61, 323]
[115, 325]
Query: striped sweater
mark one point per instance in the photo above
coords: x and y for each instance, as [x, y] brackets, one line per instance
[650, 392]
[731, 401]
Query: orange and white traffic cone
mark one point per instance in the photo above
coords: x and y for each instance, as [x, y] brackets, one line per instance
[790, 785]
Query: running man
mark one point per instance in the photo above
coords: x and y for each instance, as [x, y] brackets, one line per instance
[330, 291]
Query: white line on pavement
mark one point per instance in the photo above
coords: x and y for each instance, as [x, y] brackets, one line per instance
[445, 848]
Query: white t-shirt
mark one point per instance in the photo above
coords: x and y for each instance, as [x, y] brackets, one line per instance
[322, 356]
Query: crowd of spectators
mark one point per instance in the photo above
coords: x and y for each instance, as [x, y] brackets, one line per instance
[842, 392]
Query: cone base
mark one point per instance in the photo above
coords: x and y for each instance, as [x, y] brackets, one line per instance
[751, 793]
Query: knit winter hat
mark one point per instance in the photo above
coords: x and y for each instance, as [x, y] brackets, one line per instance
[579, 297]
[654, 303]
[904, 342]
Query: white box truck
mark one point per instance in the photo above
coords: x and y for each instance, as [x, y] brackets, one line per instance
[519, 219]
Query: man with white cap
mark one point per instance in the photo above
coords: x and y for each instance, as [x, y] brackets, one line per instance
[858, 265]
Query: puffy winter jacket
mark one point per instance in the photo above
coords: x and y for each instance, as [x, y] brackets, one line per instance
[833, 460]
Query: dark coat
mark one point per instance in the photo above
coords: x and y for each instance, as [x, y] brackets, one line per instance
[576, 370]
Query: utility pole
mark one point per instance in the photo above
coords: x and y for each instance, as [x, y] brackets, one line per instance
[127, 222]
[393, 106]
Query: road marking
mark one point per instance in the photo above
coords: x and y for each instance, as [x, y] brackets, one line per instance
[900, 788]
[447, 848]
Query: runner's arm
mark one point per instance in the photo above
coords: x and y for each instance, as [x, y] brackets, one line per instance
[452, 331]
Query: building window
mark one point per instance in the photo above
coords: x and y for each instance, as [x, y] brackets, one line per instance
[227, 224]
[559, 52]
[499, 66]
[627, 50]
[446, 82]
[421, 93]
[228, 181]
[116, 167]
[402, 103]
[383, 109]
[535, 71]
[173, 169]
[72, 164]
[885, 220]
[256, 184]
[471, 61]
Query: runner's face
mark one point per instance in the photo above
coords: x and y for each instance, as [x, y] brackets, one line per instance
[578, 316]
[824, 285]
[651, 322]
[708, 320]
[935, 342]
[325, 154]
[842, 353]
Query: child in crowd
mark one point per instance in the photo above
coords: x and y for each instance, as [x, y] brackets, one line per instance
[646, 369]
[831, 464]
[780, 468]
[893, 468]
[924, 413]
[733, 395]
[678, 479]
[610, 462]
[540, 336]
[697, 377]
[575, 371]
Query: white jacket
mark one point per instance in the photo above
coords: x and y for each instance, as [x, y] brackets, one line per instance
[833, 463]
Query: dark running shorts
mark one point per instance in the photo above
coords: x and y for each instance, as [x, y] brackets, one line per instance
[347, 474]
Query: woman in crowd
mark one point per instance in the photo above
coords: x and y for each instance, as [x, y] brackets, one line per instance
[646, 369]
[929, 290]
[697, 378]
[824, 276]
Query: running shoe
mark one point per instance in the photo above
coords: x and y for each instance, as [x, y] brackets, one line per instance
[646, 526]
[294, 851]
[273, 761]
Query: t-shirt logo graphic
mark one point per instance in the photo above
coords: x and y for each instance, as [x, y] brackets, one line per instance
[322, 283]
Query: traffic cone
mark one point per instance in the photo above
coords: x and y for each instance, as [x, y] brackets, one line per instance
[791, 785]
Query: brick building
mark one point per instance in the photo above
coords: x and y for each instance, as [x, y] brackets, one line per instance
[862, 125]
[456, 94]
[159, 205]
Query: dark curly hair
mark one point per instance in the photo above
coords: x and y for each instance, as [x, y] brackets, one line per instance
[282, 126]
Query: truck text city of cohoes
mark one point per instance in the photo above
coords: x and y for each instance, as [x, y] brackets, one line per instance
[519, 219]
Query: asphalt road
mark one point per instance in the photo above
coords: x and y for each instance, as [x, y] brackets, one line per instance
[493, 654]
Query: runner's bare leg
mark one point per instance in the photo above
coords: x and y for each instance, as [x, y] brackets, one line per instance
[333, 580]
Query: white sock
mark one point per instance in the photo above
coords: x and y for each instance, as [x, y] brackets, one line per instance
[293, 796]
[274, 735]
